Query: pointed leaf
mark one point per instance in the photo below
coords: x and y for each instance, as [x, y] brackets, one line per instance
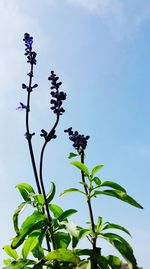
[109, 225]
[51, 193]
[71, 190]
[97, 181]
[66, 214]
[119, 195]
[72, 155]
[35, 220]
[25, 189]
[123, 247]
[18, 210]
[39, 198]
[96, 169]
[64, 255]
[82, 167]
[99, 224]
[10, 252]
[56, 210]
[113, 185]
[30, 243]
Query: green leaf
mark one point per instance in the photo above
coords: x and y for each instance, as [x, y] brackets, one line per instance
[96, 169]
[97, 181]
[72, 155]
[7, 261]
[109, 225]
[20, 264]
[99, 224]
[30, 243]
[25, 189]
[51, 193]
[56, 210]
[113, 185]
[66, 214]
[18, 210]
[71, 190]
[62, 239]
[82, 167]
[31, 223]
[119, 195]
[10, 252]
[62, 255]
[114, 262]
[39, 198]
[123, 247]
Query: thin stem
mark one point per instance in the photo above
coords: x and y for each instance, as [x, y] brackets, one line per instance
[93, 239]
[29, 137]
[28, 133]
[42, 182]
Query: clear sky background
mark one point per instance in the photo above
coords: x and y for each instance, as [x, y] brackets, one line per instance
[101, 51]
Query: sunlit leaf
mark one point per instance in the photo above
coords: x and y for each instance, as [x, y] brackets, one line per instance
[113, 185]
[11, 252]
[7, 261]
[109, 225]
[99, 224]
[24, 190]
[56, 210]
[18, 210]
[64, 255]
[123, 247]
[34, 221]
[66, 214]
[51, 193]
[39, 198]
[119, 195]
[71, 190]
[20, 264]
[30, 243]
[82, 167]
[96, 169]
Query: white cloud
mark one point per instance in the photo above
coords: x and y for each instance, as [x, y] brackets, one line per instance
[123, 18]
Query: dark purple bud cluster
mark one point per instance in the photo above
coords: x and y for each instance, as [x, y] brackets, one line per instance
[31, 55]
[79, 141]
[47, 136]
[57, 96]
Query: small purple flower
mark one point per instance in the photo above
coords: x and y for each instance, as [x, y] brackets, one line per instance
[28, 39]
[21, 107]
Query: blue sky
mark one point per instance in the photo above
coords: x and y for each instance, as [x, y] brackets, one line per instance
[100, 50]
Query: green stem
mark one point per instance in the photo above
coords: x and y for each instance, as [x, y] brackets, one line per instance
[93, 259]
